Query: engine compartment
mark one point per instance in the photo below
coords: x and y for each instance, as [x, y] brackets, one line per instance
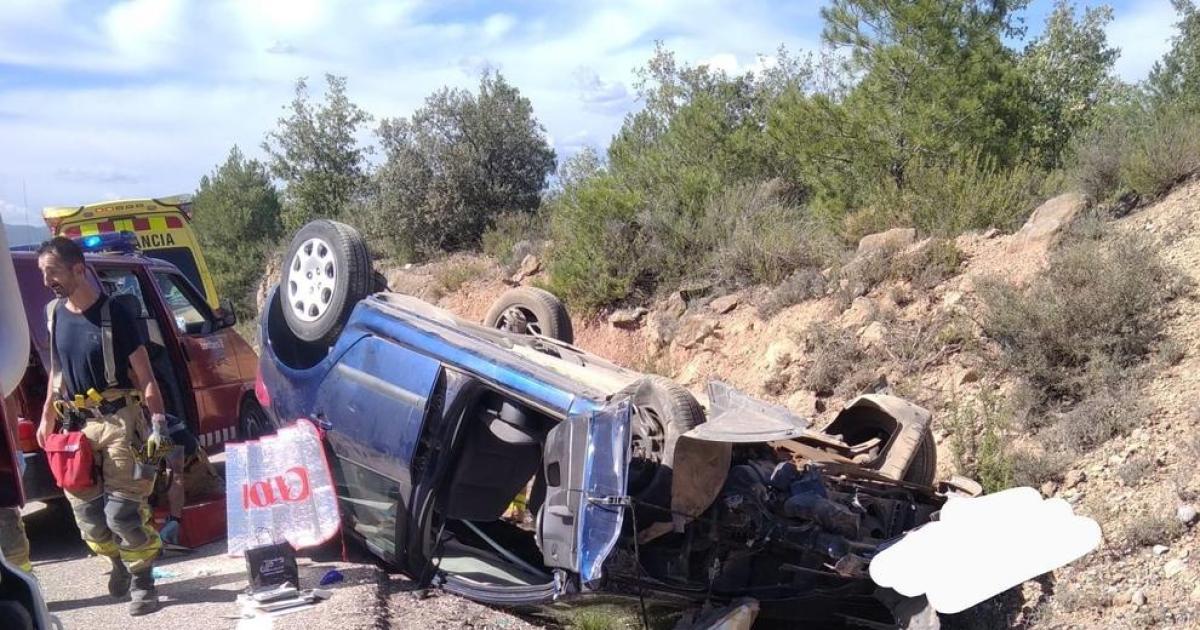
[782, 526]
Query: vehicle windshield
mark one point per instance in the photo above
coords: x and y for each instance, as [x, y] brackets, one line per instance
[182, 258]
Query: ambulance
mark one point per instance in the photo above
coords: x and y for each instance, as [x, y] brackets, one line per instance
[162, 226]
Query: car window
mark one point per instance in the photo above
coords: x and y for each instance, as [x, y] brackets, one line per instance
[191, 314]
[123, 282]
[182, 258]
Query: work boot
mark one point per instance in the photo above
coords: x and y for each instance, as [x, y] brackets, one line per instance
[142, 597]
[118, 579]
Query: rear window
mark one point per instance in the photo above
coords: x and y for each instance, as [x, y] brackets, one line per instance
[180, 257]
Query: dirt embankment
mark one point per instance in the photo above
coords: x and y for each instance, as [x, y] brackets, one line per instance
[922, 339]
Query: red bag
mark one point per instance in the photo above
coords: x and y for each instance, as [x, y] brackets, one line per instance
[70, 459]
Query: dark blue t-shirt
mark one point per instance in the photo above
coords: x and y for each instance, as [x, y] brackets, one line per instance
[80, 351]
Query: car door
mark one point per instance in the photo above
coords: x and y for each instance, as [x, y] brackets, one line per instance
[586, 462]
[373, 404]
[209, 353]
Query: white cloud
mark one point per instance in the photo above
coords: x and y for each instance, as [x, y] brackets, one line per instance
[142, 98]
[1143, 35]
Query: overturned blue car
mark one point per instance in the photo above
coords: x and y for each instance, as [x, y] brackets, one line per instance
[500, 462]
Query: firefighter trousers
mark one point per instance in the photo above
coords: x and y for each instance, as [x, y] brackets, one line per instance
[13, 542]
[113, 516]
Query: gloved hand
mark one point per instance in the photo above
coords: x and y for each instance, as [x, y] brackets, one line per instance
[170, 531]
[159, 445]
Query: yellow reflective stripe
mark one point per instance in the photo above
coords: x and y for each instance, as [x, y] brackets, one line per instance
[107, 548]
[88, 229]
[158, 224]
[123, 225]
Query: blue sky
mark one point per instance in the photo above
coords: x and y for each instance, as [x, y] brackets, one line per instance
[103, 100]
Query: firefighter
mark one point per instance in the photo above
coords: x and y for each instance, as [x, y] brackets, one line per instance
[100, 378]
[13, 542]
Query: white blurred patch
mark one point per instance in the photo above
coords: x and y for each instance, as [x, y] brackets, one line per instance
[983, 546]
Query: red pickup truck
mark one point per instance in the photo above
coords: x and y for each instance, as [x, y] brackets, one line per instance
[206, 371]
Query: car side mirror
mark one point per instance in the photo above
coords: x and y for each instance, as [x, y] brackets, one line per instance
[226, 316]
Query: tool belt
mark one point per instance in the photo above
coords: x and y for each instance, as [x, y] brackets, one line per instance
[95, 405]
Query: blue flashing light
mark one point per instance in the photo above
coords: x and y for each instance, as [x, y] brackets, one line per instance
[118, 242]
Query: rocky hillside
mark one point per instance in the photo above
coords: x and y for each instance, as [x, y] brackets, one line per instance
[904, 316]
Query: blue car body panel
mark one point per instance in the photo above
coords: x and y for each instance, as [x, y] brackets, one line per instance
[372, 394]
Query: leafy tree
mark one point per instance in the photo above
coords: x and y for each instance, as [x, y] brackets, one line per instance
[315, 151]
[237, 219]
[937, 82]
[1177, 76]
[456, 164]
[1070, 70]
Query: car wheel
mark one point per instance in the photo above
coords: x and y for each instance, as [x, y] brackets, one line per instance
[14, 616]
[328, 271]
[530, 310]
[253, 422]
[923, 468]
[663, 410]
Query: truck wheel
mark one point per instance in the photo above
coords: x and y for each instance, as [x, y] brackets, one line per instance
[253, 422]
[663, 410]
[530, 310]
[328, 271]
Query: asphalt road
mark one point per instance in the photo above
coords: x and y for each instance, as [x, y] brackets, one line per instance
[200, 589]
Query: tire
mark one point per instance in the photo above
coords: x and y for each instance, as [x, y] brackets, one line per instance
[254, 422]
[328, 270]
[530, 310]
[13, 616]
[923, 468]
[663, 410]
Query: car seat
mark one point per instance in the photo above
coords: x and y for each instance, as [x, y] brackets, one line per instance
[502, 449]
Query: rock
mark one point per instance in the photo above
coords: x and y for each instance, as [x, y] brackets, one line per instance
[967, 375]
[1186, 514]
[627, 317]
[991, 233]
[1074, 478]
[1138, 598]
[723, 305]
[803, 402]
[529, 266]
[892, 240]
[675, 304]
[1049, 219]
[951, 298]
[1160, 549]
[861, 311]
[967, 284]
[660, 329]
[1174, 567]
[694, 330]
[1195, 595]
[873, 334]
[1049, 488]
[689, 374]
[1122, 598]
[780, 354]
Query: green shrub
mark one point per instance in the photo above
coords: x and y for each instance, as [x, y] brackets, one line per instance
[836, 357]
[1166, 151]
[1142, 151]
[930, 264]
[760, 239]
[804, 284]
[979, 442]
[452, 274]
[1147, 529]
[1108, 412]
[597, 257]
[1033, 468]
[949, 199]
[1094, 313]
[513, 235]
